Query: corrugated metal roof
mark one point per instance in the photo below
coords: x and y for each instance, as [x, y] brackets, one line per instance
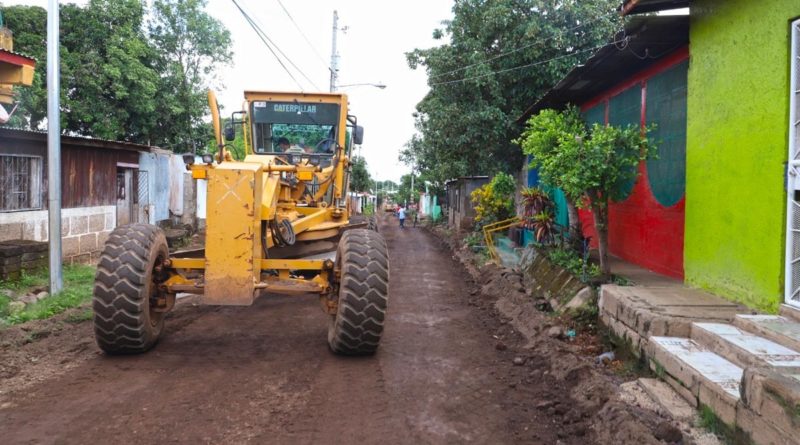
[642, 6]
[35, 135]
[25, 59]
[649, 39]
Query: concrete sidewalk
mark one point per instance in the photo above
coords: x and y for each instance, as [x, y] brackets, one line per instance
[713, 352]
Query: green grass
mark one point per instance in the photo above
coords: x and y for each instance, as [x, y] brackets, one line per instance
[78, 282]
[710, 421]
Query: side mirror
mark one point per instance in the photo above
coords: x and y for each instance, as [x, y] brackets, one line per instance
[230, 132]
[358, 135]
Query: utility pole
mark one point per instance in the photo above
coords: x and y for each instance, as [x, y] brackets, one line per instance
[53, 148]
[334, 57]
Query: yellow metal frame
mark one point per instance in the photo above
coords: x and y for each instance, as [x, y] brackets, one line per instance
[490, 229]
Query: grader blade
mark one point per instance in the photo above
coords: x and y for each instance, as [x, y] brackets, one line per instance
[233, 238]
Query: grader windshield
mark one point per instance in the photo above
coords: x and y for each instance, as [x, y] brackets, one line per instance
[280, 127]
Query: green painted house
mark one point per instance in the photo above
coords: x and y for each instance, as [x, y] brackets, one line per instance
[742, 210]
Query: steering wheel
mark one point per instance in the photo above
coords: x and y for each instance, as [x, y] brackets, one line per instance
[319, 144]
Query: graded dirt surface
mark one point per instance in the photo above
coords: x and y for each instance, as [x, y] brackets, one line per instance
[264, 374]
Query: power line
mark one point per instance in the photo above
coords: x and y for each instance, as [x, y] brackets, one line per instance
[521, 47]
[300, 30]
[270, 44]
[540, 62]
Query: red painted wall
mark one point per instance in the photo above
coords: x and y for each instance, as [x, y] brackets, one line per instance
[641, 230]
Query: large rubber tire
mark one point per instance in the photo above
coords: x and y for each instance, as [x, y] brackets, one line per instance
[363, 261]
[372, 223]
[123, 286]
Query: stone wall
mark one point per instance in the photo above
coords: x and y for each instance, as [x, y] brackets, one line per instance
[20, 256]
[84, 230]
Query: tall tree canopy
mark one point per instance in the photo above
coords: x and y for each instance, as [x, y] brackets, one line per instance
[360, 179]
[499, 56]
[123, 78]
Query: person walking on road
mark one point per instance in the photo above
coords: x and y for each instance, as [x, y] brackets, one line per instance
[401, 215]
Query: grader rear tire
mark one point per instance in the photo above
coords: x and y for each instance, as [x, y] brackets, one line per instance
[363, 261]
[124, 322]
[372, 224]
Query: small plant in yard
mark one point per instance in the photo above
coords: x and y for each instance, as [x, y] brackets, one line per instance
[570, 261]
[474, 239]
[537, 214]
[588, 163]
[78, 283]
[495, 200]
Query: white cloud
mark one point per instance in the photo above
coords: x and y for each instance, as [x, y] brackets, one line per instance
[371, 51]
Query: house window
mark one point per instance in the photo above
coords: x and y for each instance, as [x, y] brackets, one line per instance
[20, 182]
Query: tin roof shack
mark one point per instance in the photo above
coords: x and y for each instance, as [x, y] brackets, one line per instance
[99, 185]
[460, 211]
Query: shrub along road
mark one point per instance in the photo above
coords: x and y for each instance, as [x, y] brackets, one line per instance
[264, 374]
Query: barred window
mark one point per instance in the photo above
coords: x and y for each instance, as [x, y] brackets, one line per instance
[20, 182]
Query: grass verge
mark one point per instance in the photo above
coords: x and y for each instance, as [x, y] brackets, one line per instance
[78, 282]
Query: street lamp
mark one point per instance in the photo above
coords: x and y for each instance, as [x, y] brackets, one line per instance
[376, 85]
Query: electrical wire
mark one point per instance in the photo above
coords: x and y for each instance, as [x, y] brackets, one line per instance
[539, 62]
[300, 30]
[522, 47]
[270, 44]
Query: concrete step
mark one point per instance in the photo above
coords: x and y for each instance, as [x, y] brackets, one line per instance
[699, 375]
[781, 330]
[790, 312]
[745, 349]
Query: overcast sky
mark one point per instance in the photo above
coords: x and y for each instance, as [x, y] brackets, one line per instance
[372, 50]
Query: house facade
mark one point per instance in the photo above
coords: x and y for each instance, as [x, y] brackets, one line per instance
[718, 206]
[104, 184]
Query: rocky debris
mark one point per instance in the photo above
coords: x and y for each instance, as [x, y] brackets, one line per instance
[33, 297]
[500, 346]
[518, 361]
[556, 332]
[668, 432]
[605, 358]
[15, 307]
[8, 293]
[584, 297]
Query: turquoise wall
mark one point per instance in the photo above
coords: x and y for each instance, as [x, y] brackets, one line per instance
[736, 148]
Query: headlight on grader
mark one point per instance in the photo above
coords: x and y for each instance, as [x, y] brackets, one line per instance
[208, 158]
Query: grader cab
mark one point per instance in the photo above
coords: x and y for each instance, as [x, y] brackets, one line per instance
[277, 222]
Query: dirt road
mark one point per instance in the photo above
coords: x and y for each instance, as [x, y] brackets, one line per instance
[264, 374]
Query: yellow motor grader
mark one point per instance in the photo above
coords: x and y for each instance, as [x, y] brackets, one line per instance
[277, 222]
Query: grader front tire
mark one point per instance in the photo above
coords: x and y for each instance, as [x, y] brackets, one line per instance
[124, 321]
[363, 262]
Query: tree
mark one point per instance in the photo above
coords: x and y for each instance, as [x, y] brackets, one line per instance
[111, 87]
[29, 24]
[478, 88]
[360, 180]
[190, 45]
[588, 163]
[117, 81]
[107, 83]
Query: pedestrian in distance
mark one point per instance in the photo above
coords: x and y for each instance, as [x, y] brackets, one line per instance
[401, 215]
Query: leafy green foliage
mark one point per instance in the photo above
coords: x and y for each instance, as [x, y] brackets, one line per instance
[587, 163]
[537, 213]
[465, 123]
[360, 179]
[494, 201]
[569, 260]
[118, 81]
[78, 284]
